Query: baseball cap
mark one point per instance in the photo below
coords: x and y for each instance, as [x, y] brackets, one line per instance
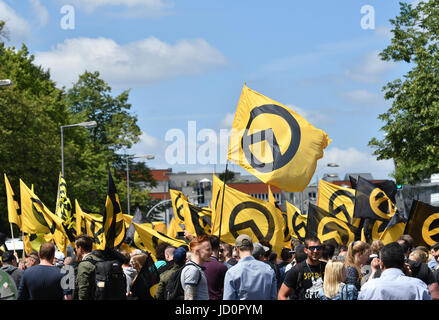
[243, 241]
[259, 249]
[7, 256]
[59, 255]
[179, 255]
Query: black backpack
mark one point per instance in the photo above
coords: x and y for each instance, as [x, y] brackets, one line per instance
[110, 280]
[174, 289]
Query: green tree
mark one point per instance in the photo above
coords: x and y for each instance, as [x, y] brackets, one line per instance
[412, 122]
[31, 112]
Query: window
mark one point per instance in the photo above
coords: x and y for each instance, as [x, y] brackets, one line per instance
[434, 199]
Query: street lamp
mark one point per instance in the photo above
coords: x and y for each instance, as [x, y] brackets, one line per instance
[5, 83]
[88, 124]
[148, 157]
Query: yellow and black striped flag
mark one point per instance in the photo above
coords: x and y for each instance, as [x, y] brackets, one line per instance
[178, 201]
[423, 224]
[296, 222]
[197, 220]
[114, 223]
[64, 209]
[14, 212]
[274, 143]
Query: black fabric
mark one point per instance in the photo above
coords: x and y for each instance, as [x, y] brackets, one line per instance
[300, 279]
[174, 289]
[421, 271]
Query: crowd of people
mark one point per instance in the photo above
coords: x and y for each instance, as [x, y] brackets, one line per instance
[208, 269]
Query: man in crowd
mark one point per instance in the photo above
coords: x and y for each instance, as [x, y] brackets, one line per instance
[305, 279]
[193, 279]
[433, 263]
[43, 281]
[393, 284]
[226, 252]
[10, 266]
[178, 263]
[249, 279]
[215, 271]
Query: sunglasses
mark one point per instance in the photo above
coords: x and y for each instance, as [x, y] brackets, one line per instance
[312, 248]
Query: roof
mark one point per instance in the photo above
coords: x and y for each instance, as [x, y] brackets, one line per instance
[253, 187]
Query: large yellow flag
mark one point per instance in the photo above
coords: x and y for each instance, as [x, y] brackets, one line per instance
[274, 143]
[338, 201]
[64, 208]
[14, 212]
[244, 214]
[150, 238]
[90, 224]
[173, 228]
[197, 220]
[37, 218]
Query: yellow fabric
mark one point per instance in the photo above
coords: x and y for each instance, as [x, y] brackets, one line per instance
[13, 206]
[91, 225]
[285, 146]
[296, 222]
[244, 214]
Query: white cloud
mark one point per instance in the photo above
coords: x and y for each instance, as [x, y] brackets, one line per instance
[17, 28]
[152, 6]
[134, 64]
[369, 69]
[41, 12]
[316, 118]
[363, 97]
[352, 160]
[227, 121]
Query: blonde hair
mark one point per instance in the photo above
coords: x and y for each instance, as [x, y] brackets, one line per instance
[376, 246]
[355, 247]
[333, 277]
[419, 255]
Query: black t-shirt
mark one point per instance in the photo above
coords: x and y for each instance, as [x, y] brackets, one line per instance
[305, 280]
[421, 271]
[41, 283]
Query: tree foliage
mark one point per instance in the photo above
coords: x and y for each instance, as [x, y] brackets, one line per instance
[412, 122]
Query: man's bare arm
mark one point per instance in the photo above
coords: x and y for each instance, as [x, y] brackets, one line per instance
[189, 292]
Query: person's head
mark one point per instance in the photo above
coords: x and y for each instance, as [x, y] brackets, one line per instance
[201, 250]
[268, 252]
[376, 246]
[225, 252]
[9, 258]
[127, 258]
[313, 249]
[83, 245]
[69, 261]
[335, 273]
[138, 261]
[32, 260]
[169, 253]
[160, 250]
[409, 239]
[215, 244]
[435, 251]
[259, 251]
[418, 255]
[342, 250]
[405, 247]
[59, 258]
[286, 254]
[47, 252]
[327, 251]
[392, 256]
[243, 245]
[180, 256]
[358, 254]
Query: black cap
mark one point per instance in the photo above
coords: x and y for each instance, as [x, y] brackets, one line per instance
[8, 256]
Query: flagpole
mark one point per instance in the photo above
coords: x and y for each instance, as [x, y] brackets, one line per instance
[222, 202]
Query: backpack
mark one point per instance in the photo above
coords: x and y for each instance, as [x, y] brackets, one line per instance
[174, 289]
[110, 280]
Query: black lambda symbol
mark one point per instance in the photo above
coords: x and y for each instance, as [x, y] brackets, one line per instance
[234, 228]
[279, 159]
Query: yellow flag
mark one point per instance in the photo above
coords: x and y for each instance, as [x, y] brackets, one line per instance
[296, 222]
[90, 224]
[338, 201]
[159, 226]
[33, 242]
[14, 211]
[271, 197]
[244, 214]
[178, 200]
[173, 228]
[197, 220]
[150, 238]
[274, 143]
[64, 206]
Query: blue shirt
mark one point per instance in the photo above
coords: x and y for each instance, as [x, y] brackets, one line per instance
[41, 282]
[250, 279]
[432, 264]
[394, 285]
[345, 292]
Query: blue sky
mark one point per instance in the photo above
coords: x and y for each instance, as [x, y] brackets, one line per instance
[188, 60]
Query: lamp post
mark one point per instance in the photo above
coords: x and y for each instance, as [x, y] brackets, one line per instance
[88, 124]
[148, 157]
[5, 83]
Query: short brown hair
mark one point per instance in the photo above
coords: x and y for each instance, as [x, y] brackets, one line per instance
[47, 251]
[197, 241]
[85, 242]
